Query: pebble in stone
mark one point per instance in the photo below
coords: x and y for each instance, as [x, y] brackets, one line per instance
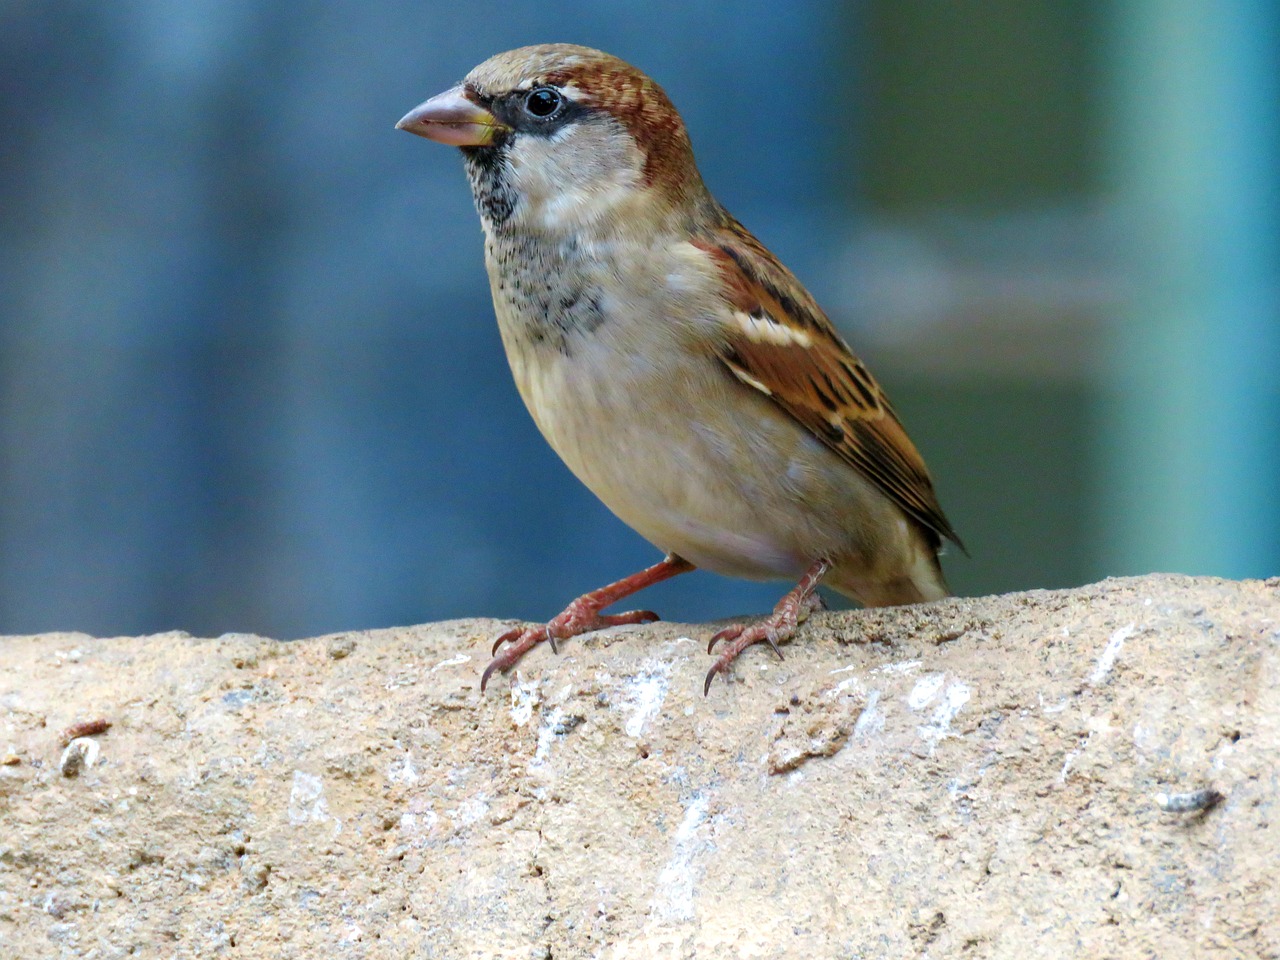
[81, 754]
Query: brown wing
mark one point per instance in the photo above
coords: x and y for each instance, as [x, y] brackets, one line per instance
[782, 344]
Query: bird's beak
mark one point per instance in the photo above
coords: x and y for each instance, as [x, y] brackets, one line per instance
[452, 118]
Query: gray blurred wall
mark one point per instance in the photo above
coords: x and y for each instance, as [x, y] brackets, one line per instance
[249, 374]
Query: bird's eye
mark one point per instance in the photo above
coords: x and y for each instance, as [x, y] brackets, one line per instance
[543, 101]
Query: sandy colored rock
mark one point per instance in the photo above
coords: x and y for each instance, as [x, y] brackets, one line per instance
[975, 778]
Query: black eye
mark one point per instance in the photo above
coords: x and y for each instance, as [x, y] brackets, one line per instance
[543, 101]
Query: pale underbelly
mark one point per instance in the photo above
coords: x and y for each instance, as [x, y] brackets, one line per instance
[731, 486]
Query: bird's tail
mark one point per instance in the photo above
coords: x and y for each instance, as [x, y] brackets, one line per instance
[921, 583]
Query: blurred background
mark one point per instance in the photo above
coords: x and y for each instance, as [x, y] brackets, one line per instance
[249, 374]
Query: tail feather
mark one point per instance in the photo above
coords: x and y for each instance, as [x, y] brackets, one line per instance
[922, 582]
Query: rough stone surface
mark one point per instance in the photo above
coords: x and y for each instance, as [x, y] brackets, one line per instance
[975, 778]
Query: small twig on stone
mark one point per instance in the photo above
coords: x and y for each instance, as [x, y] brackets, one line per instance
[85, 728]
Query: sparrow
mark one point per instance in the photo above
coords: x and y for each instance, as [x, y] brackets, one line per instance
[675, 365]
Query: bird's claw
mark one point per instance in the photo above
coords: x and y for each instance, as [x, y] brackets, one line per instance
[522, 640]
[791, 611]
[711, 675]
[507, 637]
[574, 622]
[740, 636]
[768, 635]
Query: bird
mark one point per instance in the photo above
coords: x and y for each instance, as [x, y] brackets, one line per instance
[683, 374]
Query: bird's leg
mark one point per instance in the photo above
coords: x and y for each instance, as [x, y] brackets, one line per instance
[583, 616]
[791, 611]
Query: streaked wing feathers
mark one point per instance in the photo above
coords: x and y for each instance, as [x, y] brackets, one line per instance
[782, 344]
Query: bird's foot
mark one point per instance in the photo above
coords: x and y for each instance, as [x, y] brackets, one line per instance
[582, 616]
[781, 625]
[576, 620]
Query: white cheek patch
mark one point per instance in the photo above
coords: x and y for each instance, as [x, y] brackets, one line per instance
[580, 174]
[761, 328]
[584, 207]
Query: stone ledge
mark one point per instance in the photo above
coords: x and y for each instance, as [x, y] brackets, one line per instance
[977, 777]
